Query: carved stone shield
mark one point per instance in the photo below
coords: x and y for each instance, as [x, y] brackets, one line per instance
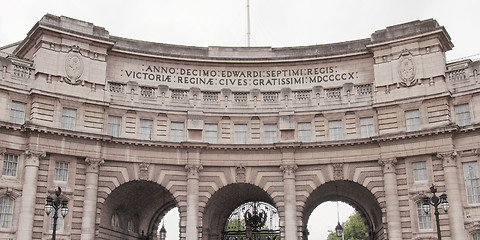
[74, 67]
[407, 70]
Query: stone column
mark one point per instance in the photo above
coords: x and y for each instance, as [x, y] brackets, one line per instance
[90, 198]
[290, 201]
[391, 199]
[29, 193]
[454, 196]
[192, 201]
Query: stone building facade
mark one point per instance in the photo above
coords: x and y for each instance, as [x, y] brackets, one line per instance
[131, 129]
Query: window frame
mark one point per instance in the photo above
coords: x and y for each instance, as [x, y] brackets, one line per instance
[302, 132]
[472, 182]
[367, 129]
[68, 120]
[6, 218]
[335, 130]
[145, 129]
[5, 165]
[114, 125]
[462, 115]
[240, 134]
[177, 131]
[413, 121]
[17, 116]
[425, 221]
[210, 133]
[270, 134]
[60, 172]
[416, 170]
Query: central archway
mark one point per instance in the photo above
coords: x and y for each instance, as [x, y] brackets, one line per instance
[224, 202]
[356, 195]
[134, 208]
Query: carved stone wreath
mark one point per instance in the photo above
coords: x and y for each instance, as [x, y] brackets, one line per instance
[74, 67]
[407, 70]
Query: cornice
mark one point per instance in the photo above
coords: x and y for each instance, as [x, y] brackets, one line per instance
[31, 128]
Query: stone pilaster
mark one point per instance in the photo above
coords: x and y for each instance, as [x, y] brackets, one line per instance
[290, 201]
[391, 199]
[192, 200]
[90, 198]
[29, 193]
[455, 212]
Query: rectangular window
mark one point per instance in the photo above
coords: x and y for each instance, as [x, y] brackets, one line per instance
[176, 131]
[10, 163]
[17, 112]
[61, 171]
[113, 128]
[335, 130]
[211, 133]
[305, 132]
[476, 236]
[412, 120]
[462, 113]
[145, 130]
[270, 133]
[424, 219]
[420, 171]
[68, 118]
[366, 127]
[60, 221]
[6, 212]
[240, 133]
[472, 182]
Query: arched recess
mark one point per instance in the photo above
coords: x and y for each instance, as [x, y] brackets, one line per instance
[138, 206]
[352, 193]
[224, 202]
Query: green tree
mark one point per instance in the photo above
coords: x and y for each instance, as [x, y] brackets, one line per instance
[234, 224]
[353, 229]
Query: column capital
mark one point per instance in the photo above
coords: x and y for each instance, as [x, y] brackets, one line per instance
[449, 158]
[289, 170]
[388, 164]
[93, 163]
[32, 157]
[193, 170]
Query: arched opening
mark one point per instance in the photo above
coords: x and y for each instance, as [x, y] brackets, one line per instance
[224, 202]
[355, 195]
[170, 224]
[253, 220]
[133, 210]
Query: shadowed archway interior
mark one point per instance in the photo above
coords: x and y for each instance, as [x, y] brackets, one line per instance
[139, 205]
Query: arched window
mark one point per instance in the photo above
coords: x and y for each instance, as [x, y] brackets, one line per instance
[6, 212]
[115, 220]
[131, 226]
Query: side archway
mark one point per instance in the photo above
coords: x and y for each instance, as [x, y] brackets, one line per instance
[224, 202]
[134, 208]
[358, 196]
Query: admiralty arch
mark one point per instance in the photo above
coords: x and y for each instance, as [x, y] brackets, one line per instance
[130, 129]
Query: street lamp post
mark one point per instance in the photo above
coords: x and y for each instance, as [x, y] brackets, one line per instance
[55, 205]
[435, 201]
[163, 232]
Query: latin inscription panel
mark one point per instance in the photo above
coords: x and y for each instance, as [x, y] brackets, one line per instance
[265, 76]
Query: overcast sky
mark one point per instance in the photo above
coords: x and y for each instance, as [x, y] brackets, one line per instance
[276, 23]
